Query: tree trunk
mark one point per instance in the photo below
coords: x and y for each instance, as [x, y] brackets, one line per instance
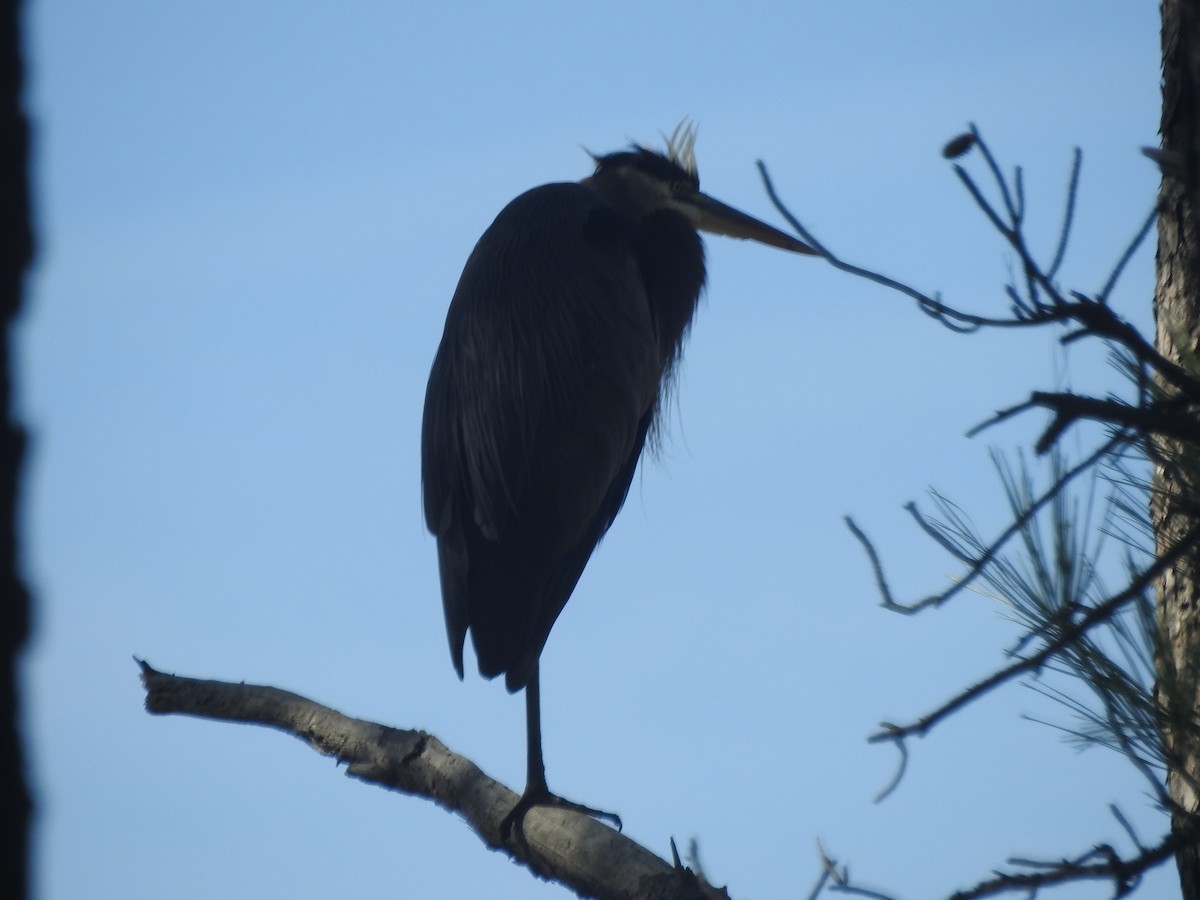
[1177, 473]
[15, 252]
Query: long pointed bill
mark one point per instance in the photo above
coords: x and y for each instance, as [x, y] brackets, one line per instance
[714, 216]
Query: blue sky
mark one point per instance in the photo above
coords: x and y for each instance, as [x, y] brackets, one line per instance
[252, 217]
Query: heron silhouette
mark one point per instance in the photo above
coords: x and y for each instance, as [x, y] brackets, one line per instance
[561, 338]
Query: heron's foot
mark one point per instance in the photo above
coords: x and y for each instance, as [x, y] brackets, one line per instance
[515, 820]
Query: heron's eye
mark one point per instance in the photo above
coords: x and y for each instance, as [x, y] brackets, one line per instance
[679, 186]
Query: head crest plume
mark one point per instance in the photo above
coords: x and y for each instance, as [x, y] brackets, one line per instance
[678, 157]
[681, 146]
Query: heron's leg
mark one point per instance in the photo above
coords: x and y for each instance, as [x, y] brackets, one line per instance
[536, 791]
[535, 771]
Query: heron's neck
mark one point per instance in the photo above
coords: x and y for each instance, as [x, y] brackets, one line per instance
[672, 258]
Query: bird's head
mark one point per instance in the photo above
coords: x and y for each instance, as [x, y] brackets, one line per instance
[640, 181]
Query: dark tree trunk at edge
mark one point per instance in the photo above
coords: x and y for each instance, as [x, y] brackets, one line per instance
[16, 248]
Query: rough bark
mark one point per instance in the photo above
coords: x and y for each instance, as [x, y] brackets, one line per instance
[1177, 472]
[16, 250]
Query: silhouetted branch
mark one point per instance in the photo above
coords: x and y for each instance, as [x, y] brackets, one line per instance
[1034, 309]
[977, 564]
[1101, 863]
[1162, 420]
[880, 580]
[1064, 234]
[1069, 633]
[949, 317]
[1055, 590]
[1119, 268]
[584, 855]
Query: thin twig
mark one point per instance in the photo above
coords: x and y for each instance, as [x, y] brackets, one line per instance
[1064, 233]
[983, 560]
[1070, 633]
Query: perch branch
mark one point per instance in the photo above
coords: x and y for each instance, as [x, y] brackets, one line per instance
[584, 855]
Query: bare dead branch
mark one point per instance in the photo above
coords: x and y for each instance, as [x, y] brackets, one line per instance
[579, 852]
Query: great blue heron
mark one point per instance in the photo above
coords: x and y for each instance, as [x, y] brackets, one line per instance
[562, 335]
